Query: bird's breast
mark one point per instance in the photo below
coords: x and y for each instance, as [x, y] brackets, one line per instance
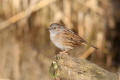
[57, 41]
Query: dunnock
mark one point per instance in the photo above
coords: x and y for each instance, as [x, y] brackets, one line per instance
[64, 38]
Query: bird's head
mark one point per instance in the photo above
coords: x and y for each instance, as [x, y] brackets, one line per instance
[55, 27]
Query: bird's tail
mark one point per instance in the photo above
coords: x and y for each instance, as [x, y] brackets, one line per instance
[85, 43]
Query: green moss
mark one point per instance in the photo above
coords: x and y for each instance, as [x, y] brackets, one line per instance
[54, 70]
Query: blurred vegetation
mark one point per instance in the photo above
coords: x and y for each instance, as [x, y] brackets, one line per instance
[26, 51]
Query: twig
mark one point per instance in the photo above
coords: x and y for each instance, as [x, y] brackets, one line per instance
[24, 14]
[87, 53]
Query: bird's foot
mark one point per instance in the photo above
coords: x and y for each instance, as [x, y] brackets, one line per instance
[64, 52]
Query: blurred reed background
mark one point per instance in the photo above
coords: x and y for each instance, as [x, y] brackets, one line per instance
[26, 51]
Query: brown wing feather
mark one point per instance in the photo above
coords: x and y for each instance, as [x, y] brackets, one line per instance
[71, 39]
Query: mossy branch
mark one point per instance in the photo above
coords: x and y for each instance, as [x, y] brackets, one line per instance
[70, 68]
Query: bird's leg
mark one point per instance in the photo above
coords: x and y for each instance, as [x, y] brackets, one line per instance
[65, 51]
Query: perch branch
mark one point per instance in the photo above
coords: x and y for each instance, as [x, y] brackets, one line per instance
[69, 68]
[25, 13]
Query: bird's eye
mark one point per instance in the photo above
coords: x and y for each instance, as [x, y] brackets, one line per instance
[54, 28]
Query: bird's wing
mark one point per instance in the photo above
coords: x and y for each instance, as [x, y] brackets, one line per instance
[75, 37]
[71, 38]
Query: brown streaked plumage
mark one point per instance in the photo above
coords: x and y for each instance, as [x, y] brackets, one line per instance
[64, 38]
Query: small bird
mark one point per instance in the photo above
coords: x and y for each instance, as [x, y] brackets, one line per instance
[64, 38]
